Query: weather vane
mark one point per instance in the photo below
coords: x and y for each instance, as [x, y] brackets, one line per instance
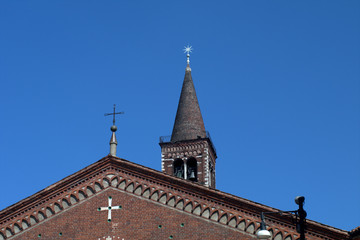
[188, 49]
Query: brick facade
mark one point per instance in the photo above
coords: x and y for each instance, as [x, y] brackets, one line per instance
[184, 209]
[139, 218]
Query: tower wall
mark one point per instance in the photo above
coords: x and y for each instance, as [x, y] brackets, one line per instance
[200, 149]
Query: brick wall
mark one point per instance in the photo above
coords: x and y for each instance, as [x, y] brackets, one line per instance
[138, 219]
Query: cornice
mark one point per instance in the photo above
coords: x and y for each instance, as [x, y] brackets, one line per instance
[182, 145]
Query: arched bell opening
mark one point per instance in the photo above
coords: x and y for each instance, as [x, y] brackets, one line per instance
[179, 168]
[192, 169]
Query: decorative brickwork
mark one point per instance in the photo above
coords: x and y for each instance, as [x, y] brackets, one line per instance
[199, 149]
[185, 210]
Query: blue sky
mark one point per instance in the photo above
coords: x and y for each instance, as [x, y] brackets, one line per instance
[278, 84]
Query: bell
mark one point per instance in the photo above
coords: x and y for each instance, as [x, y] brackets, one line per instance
[192, 175]
[179, 173]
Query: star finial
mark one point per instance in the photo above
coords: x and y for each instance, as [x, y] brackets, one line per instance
[188, 49]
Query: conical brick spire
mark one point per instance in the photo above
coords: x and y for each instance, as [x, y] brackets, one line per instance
[197, 164]
[189, 123]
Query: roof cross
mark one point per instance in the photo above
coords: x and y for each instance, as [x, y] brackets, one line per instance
[114, 113]
[109, 208]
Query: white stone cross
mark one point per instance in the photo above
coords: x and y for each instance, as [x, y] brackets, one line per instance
[111, 238]
[109, 208]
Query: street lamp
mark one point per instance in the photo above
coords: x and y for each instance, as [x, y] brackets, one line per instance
[300, 220]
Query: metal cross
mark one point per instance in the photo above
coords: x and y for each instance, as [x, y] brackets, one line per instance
[114, 113]
[109, 208]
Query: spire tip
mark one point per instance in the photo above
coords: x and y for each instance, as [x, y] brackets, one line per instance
[188, 49]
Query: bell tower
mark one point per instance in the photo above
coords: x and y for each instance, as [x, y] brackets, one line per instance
[189, 152]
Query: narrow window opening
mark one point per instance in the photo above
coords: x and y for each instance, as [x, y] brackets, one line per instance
[179, 168]
[192, 169]
[211, 174]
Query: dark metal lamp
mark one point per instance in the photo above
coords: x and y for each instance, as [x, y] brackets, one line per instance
[300, 220]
